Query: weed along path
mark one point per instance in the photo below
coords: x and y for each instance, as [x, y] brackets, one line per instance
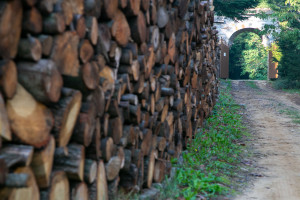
[274, 118]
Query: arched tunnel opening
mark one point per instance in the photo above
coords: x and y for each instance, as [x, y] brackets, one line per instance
[248, 57]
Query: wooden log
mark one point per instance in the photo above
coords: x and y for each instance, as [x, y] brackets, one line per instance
[126, 57]
[120, 29]
[79, 191]
[109, 8]
[84, 129]
[138, 28]
[14, 155]
[94, 150]
[32, 21]
[59, 187]
[90, 171]
[34, 116]
[114, 55]
[65, 114]
[131, 98]
[149, 164]
[159, 171]
[31, 192]
[107, 145]
[30, 49]
[11, 26]
[42, 163]
[116, 129]
[154, 36]
[17, 180]
[86, 80]
[107, 79]
[54, 24]
[98, 190]
[69, 8]
[133, 70]
[45, 6]
[163, 17]
[79, 25]
[41, 79]
[5, 131]
[8, 78]
[73, 163]
[147, 141]
[47, 43]
[93, 8]
[104, 40]
[113, 187]
[65, 53]
[153, 13]
[86, 51]
[112, 168]
[92, 29]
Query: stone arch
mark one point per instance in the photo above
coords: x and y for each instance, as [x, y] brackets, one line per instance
[235, 34]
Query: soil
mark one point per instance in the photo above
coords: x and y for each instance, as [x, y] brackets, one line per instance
[276, 142]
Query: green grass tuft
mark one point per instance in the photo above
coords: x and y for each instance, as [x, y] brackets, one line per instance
[212, 158]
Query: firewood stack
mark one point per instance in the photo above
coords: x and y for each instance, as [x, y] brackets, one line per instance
[99, 95]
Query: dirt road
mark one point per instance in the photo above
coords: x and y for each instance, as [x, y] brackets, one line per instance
[276, 141]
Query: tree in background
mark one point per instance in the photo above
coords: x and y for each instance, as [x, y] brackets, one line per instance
[287, 13]
[248, 58]
[234, 9]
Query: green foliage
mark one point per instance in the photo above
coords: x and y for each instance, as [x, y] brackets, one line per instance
[248, 58]
[234, 9]
[287, 13]
[284, 83]
[212, 157]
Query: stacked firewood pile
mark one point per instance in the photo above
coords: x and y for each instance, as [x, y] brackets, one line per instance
[98, 95]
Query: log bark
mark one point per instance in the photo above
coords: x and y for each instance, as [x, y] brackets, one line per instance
[42, 163]
[92, 29]
[86, 51]
[47, 43]
[149, 164]
[30, 49]
[138, 28]
[65, 113]
[11, 25]
[27, 193]
[59, 187]
[120, 29]
[98, 190]
[16, 155]
[79, 191]
[93, 7]
[8, 78]
[5, 131]
[79, 25]
[90, 171]
[31, 123]
[107, 148]
[65, 53]
[32, 21]
[54, 24]
[112, 168]
[41, 79]
[73, 163]
[110, 8]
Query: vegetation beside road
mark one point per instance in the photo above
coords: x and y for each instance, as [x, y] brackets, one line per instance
[211, 164]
